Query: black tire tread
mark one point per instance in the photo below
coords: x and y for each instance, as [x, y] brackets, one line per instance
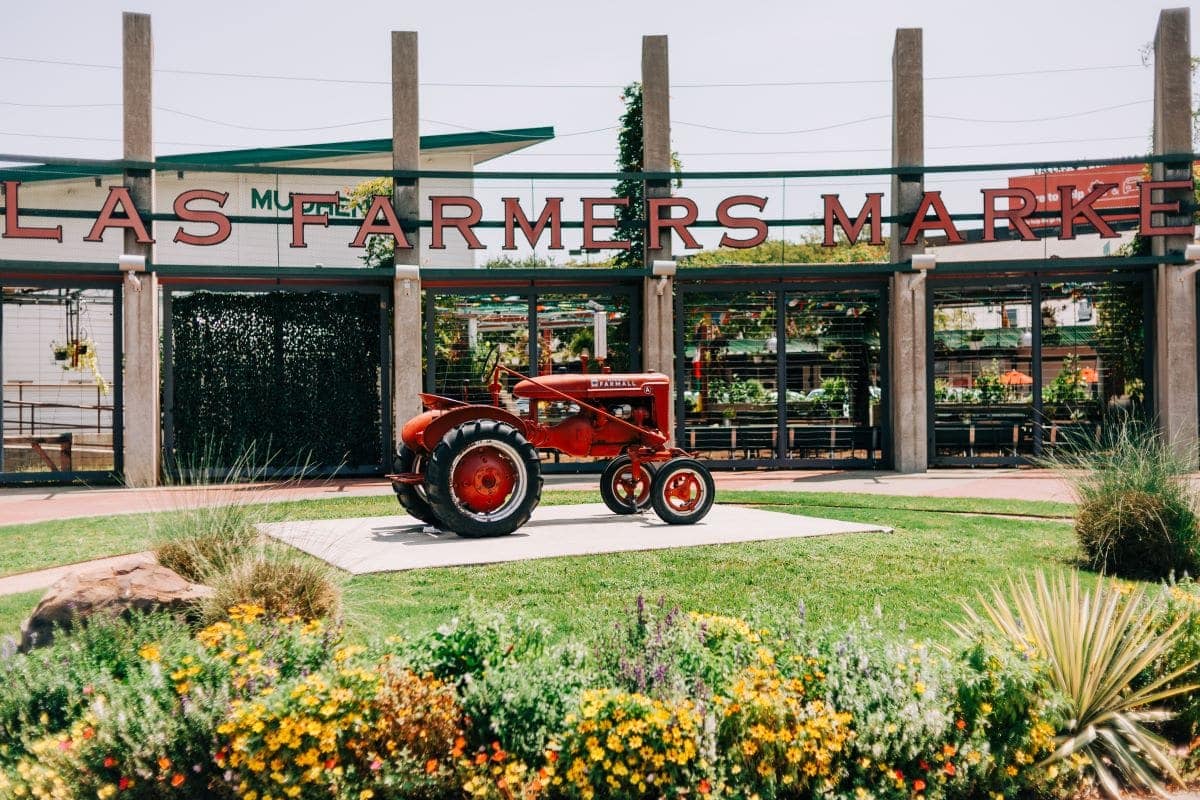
[610, 497]
[664, 511]
[409, 498]
[438, 478]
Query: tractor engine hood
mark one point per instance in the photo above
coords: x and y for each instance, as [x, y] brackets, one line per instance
[593, 387]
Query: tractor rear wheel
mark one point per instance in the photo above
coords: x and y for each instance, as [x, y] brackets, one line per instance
[682, 491]
[622, 489]
[412, 496]
[483, 479]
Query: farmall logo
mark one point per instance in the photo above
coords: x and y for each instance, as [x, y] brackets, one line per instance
[204, 224]
[612, 383]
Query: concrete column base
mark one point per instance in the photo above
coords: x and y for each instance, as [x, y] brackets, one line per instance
[658, 332]
[407, 337]
[907, 372]
[142, 432]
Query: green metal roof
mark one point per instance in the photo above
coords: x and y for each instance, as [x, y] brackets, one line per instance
[271, 155]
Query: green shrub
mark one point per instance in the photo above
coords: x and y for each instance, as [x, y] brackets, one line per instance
[1137, 508]
[44, 691]
[664, 652]
[478, 641]
[1180, 608]
[522, 704]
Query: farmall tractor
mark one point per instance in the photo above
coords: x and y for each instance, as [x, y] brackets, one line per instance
[474, 469]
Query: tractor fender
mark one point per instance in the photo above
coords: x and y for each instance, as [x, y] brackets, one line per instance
[443, 422]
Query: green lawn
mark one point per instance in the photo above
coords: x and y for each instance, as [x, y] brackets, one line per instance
[942, 552]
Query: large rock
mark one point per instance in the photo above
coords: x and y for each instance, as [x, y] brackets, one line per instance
[136, 584]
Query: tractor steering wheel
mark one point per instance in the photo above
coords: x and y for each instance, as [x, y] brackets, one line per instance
[490, 362]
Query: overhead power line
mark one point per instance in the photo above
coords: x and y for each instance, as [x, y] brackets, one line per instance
[605, 86]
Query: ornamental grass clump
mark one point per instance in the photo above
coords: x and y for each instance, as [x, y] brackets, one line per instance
[1095, 644]
[213, 528]
[283, 582]
[1137, 507]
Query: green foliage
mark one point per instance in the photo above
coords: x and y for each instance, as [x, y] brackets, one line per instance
[987, 384]
[470, 645]
[750, 390]
[292, 374]
[835, 391]
[531, 261]
[43, 692]
[1137, 508]
[631, 219]
[808, 250]
[1068, 387]
[1096, 645]
[665, 653]
[1180, 602]
[522, 702]
[380, 250]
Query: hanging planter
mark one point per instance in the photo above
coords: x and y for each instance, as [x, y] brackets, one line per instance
[61, 351]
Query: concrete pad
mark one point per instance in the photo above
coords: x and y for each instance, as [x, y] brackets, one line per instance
[390, 544]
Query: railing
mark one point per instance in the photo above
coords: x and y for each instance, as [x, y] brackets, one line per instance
[27, 423]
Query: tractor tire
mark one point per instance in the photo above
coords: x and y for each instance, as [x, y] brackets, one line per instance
[412, 497]
[621, 491]
[483, 479]
[682, 492]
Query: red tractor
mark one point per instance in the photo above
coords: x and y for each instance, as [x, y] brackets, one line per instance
[473, 468]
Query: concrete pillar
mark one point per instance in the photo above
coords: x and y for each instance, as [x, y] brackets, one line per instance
[1175, 295]
[142, 440]
[658, 303]
[406, 289]
[907, 357]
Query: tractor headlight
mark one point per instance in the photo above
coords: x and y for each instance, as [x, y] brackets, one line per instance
[623, 411]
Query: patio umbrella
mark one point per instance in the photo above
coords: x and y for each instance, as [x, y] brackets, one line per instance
[1089, 375]
[1015, 378]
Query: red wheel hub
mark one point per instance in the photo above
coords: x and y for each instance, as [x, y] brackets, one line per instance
[483, 479]
[631, 486]
[683, 491]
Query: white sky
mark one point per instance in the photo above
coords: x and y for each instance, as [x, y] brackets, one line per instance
[541, 42]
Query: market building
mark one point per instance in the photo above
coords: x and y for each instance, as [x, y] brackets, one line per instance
[246, 300]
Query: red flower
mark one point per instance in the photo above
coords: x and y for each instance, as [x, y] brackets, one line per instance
[924, 765]
[481, 759]
[919, 785]
[431, 766]
[705, 787]
[552, 756]
[949, 769]
[88, 733]
[330, 763]
[110, 762]
[124, 783]
[177, 780]
[962, 723]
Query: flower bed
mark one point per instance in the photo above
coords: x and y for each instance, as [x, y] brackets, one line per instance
[669, 705]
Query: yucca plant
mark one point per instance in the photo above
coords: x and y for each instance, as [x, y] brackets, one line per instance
[1094, 644]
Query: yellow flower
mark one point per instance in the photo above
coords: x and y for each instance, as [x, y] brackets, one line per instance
[150, 652]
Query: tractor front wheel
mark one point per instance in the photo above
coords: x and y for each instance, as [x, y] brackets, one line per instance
[412, 496]
[483, 479]
[626, 490]
[682, 491]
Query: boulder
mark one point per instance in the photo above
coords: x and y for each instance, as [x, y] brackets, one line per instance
[136, 584]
